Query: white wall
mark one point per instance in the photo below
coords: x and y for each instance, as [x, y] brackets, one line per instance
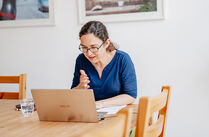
[174, 51]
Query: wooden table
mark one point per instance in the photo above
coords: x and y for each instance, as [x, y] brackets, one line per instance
[13, 124]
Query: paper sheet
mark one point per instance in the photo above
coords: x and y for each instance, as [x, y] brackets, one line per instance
[111, 110]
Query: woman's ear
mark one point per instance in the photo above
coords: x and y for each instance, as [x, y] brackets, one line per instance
[107, 43]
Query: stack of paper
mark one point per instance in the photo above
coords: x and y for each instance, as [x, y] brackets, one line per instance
[111, 110]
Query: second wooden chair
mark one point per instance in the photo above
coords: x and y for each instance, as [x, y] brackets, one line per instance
[145, 126]
[21, 80]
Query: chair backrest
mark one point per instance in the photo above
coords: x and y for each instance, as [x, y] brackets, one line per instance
[118, 127]
[21, 80]
[145, 126]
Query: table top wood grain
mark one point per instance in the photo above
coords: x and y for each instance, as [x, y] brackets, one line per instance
[13, 124]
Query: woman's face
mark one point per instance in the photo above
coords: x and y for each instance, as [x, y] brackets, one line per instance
[91, 41]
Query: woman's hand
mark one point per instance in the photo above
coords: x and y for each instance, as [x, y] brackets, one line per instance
[84, 81]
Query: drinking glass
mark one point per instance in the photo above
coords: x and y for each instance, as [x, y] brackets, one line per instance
[27, 107]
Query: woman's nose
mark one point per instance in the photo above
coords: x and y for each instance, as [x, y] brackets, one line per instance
[89, 52]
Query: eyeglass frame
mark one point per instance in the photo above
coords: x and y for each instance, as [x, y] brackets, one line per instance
[91, 48]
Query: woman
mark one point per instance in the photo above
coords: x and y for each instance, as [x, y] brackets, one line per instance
[103, 68]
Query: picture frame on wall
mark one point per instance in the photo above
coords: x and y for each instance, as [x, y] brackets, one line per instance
[17, 13]
[120, 10]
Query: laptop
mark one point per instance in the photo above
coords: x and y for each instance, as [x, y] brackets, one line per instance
[66, 105]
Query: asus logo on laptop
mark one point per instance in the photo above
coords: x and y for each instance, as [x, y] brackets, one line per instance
[65, 106]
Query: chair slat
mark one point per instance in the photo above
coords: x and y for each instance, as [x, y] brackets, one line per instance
[9, 95]
[156, 129]
[9, 79]
[158, 102]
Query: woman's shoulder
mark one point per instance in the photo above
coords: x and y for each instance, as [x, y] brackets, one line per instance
[82, 60]
[123, 55]
[80, 57]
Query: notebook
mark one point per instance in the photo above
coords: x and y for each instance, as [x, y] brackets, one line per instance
[66, 105]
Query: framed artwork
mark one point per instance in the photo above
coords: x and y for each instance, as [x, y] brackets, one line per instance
[120, 10]
[15, 13]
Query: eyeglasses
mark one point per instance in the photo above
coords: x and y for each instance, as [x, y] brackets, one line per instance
[92, 49]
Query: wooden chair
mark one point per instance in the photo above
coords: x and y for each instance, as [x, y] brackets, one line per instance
[119, 127]
[145, 126]
[21, 80]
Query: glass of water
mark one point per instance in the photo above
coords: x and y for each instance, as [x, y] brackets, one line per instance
[27, 107]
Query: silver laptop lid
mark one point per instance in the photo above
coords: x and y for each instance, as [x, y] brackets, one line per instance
[65, 105]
